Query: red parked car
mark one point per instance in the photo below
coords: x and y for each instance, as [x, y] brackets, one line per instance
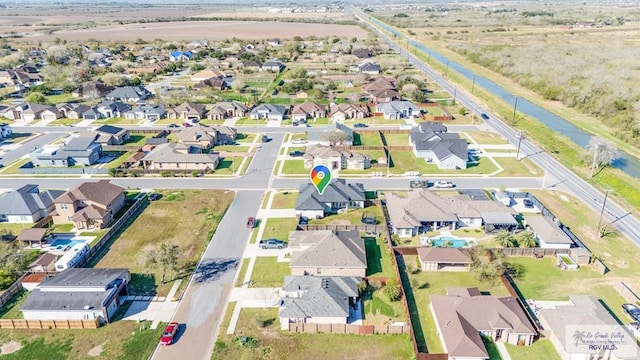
[251, 222]
[169, 333]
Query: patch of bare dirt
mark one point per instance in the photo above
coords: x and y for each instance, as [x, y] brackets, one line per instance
[96, 350]
[10, 347]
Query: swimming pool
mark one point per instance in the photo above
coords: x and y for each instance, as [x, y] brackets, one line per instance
[448, 241]
[61, 244]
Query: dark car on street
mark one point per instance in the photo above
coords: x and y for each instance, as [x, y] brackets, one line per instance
[296, 153]
[484, 116]
[360, 125]
[272, 244]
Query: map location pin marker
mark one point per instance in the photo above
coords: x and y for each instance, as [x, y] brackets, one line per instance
[320, 176]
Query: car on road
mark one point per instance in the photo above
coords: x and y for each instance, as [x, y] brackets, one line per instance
[265, 138]
[528, 203]
[296, 153]
[272, 244]
[173, 126]
[474, 151]
[484, 116]
[633, 311]
[169, 333]
[186, 124]
[154, 196]
[298, 141]
[360, 125]
[444, 184]
[251, 222]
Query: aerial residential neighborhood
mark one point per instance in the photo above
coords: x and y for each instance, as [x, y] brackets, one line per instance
[160, 196]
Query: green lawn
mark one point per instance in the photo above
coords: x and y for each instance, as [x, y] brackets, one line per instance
[272, 343]
[279, 228]
[541, 349]
[267, 272]
[65, 122]
[513, 167]
[284, 200]
[137, 139]
[14, 228]
[405, 161]
[396, 139]
[492, 349]
[367, 139]
[318, 122]
[294, 167]
[244, 266]
[425, 284]
[119, 157]
[248, 121]
[353, 216]
[229, 165]
[379, 310]
[62, 98]
[379, 262]
[17, 137]
[118, 121]
[232, 148]
[486, 137]
[14, 168]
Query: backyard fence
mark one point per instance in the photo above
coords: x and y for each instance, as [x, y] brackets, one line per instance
[48, 324]
[349, 329]
[627, 293]
[62, 170]
[12, 290]
[107, 148]
[124, 220]
[511, 286]
[347, 227]
[413, 250]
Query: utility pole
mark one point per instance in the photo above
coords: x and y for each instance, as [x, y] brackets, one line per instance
[519, 142]
[388, 162]
[595, 157]
[446, 71]
[544, 178]
[455, 92]
[515, 106]
[604, 203]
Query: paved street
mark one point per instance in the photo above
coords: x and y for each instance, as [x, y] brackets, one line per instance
[19, 150]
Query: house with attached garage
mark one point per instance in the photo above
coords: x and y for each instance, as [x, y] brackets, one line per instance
[398, 110]
[548, 234]
[341, 112]
[5, 131]
[464, 316]
[129, 94]
[187, 111]
[268, 112]
[227, 109]
[112, 135]
[207, 74]
[327, 253]
[337, 195]
[422, 211]
[334, 159]
[89, 205]
[198, 135]
[318, 300]
[180, 55]
[177, 156]
[27, 204]
[146, 112]
[107, 109]
[80, 150]
[272, 65]
[370, 68]
[308, 110]
[446, 150]
[78, 294]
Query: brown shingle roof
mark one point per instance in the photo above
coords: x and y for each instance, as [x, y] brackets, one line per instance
[32, 234]
[444, 255]
[101, 192]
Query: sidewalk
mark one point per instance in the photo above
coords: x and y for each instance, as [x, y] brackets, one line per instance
[504, 354]
[155, 309]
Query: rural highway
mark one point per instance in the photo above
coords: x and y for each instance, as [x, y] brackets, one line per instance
[614, 214]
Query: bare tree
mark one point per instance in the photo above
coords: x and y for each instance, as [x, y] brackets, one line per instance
[335, 137]
[602, 152]
[166, 258]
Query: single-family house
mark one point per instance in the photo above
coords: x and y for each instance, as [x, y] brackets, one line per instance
[149, 112]
[26, 204]
[548, 234]
[32, 111]
[268, 112]
[464, 316]
[207, 74]
[337, 195]
[308, 110]
[213, 83]
[187, 111]
[398, 109]
[272, 65]
[129, 94]
[446, 150]
[384, 96]
[232, 108]
[251, 65]
[334, 159]
[78, 294]
[177, 156]
[89, 205]
[198, 135]
[92, 90]
[6, 78]
[80, 150]
[225, 135]
[335, 134]
[444, 259]
[327, 253]
[51, 113]
[585, 313]
[13, 112]
[5, 131]
[107, 109]
[180, 55]
[379, 83]
[362, 53]
[112, 135]
[421, 211]
[33, 237]
[88, 113]
[340, 112]
[370, 68]
[318, 299]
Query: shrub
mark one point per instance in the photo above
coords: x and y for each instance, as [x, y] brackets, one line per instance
[393, 290]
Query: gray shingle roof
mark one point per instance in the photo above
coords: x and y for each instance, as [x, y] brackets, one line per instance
[547, 230]
[27, 200]
[129, 92]
[167, 153]
[337, 191]
[327, 249]
[271, 108]
[318, 296]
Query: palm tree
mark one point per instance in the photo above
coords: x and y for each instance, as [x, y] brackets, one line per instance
[527, 239]
[505, 239]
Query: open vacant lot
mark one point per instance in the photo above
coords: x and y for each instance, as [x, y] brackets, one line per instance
[163, 222]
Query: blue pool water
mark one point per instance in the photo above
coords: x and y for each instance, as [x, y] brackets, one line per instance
[455, 242]
[60, 244]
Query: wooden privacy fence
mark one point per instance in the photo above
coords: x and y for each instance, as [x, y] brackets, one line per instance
[349, 329]
[15, 288]
[310, 227]
[48, 324]
[413, 250]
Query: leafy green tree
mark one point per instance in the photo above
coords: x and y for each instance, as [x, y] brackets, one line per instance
[505, 239]
[12, 262]
[526, 239]
[393, 290]
[36, 97]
